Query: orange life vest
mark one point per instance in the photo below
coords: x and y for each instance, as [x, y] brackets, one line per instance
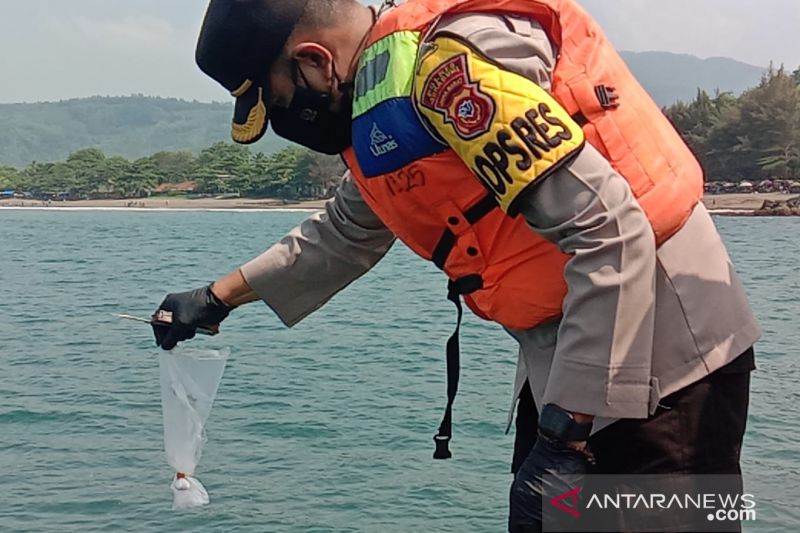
[431, 200]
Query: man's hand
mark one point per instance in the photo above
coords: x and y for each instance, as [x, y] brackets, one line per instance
[200, 307]
[564, 465]
[555, 467]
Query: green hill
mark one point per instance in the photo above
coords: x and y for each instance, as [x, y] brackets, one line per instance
[138, 126]
[134, 126]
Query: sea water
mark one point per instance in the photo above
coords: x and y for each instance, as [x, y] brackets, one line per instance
[323, 427]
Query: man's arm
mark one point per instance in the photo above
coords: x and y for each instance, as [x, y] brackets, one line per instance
[234, 290]
[602, 359]
[315, 260]
[294, 277]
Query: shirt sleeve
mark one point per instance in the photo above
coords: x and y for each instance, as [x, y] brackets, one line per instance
[602, 361]
[320, 257]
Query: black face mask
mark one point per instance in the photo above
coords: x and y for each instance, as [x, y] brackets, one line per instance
[309, 121]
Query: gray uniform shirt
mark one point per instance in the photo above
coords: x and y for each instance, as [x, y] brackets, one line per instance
[638, 322]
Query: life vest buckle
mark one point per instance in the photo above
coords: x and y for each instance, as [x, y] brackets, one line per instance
[606, 96]
[442, 447]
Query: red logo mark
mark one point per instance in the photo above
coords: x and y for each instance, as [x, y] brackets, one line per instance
[450, 92]
[571, 509]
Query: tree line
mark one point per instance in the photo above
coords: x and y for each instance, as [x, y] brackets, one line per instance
[222, 168]
[754, 136]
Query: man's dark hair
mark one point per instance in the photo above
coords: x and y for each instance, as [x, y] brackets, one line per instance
[322, 13]
[317, 14]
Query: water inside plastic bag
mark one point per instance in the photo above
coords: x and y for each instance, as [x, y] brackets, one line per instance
[190, 378]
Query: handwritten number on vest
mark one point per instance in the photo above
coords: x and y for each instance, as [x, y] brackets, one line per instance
[405, 179]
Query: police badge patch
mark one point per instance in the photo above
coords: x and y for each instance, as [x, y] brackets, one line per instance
[449, 91]
[509, 131]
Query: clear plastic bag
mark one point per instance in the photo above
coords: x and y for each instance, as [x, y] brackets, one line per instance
[189, 382]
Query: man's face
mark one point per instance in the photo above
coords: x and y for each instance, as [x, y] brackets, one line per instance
[307, 103]
[281, 88]
[311, 67]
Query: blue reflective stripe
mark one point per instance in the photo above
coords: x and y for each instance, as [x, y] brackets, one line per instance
[390, 136]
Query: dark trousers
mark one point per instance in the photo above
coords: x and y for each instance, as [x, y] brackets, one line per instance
[697, 430]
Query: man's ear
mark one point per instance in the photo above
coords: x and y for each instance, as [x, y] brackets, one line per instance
[313, 55]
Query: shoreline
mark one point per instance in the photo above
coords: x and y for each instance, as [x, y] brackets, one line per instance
[167, 204]
[749, 204]
[737, 204]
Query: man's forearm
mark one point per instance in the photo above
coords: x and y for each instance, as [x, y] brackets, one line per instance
[316, 259]
[233, 289]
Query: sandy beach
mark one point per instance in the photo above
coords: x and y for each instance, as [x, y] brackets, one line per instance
[729, 204]
[742, 201]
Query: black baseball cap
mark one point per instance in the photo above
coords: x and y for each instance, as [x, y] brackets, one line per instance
[238, 43]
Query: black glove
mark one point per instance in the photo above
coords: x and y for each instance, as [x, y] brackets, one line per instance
[565, 468]
[189, 310]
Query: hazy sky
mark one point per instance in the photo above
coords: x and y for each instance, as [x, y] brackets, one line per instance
[56, 49]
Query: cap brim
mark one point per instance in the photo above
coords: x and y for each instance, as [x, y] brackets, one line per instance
[250, 116]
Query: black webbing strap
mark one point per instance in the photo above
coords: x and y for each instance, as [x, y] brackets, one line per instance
[481, 209]
[455, 289]
[443, 248]
[465, 285]
[448, 239]
[580, 119]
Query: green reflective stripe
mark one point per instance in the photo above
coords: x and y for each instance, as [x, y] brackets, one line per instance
[377, 79]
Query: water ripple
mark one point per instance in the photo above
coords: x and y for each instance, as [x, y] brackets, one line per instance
[325, 427]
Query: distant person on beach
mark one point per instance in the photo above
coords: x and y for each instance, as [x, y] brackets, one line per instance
[508, 144]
